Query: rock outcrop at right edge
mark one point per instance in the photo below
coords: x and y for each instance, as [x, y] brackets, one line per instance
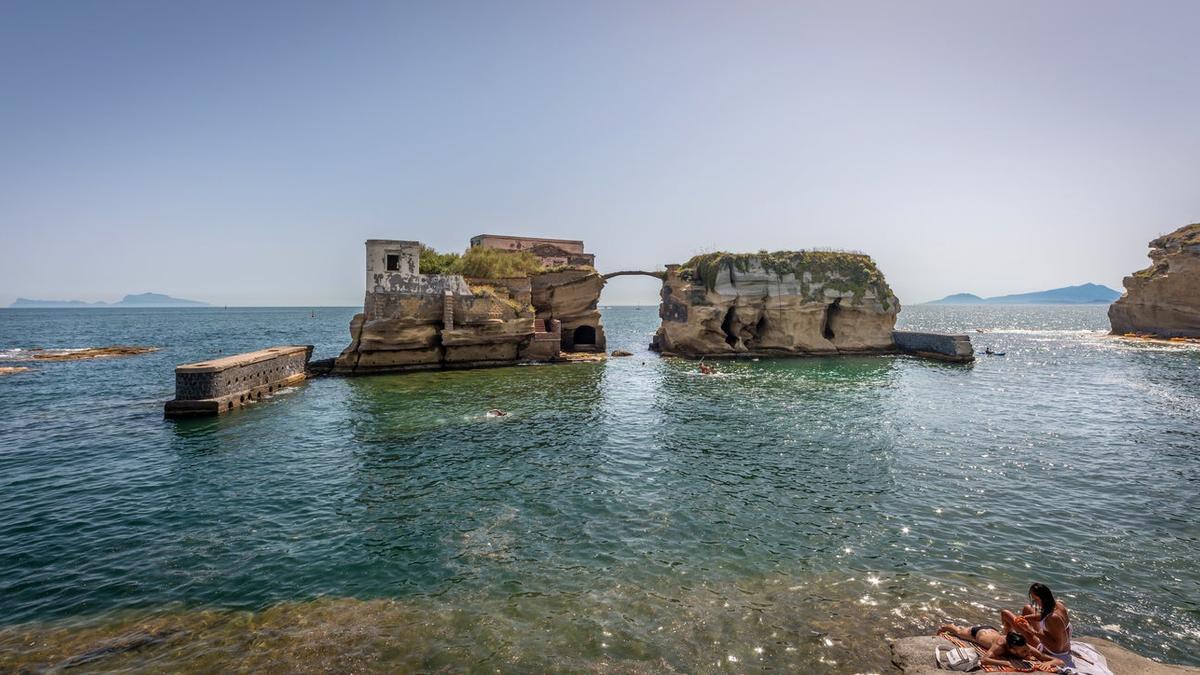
[1163, 300]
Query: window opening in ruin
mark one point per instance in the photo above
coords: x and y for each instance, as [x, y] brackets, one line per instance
[830, 312]
[585, 335]
[393, 262]
[727, 328]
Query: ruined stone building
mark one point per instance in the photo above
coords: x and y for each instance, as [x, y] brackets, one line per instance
[415, 321]
[552, 252]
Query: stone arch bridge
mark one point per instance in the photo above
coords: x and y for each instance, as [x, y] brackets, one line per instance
[625, 273]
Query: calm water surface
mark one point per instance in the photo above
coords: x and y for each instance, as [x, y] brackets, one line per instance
[629, 516]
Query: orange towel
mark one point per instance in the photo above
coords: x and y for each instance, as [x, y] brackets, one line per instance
[1017, 666]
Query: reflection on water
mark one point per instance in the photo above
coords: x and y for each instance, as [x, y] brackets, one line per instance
[629, 515]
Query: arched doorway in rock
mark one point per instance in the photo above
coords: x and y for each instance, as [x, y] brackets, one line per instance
[584, 336]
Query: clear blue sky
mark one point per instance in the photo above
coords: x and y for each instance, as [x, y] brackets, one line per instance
[240, 153]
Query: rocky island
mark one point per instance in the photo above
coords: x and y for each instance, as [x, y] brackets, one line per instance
[776, 304]
[506, 300]
[510, 300]
[1163, 300]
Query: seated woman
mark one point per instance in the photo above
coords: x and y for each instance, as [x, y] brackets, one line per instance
[1044, 623]
[1000, 648]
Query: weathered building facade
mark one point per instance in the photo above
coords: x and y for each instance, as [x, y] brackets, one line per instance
[414, 321]
[552, 252]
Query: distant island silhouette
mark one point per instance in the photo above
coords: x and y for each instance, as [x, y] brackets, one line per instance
[1084, 294]
[131, 300]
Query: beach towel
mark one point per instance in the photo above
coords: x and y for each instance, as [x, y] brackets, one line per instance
[1086, 660]
[1018, 666]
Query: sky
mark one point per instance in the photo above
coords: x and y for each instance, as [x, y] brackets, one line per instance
[241, 153]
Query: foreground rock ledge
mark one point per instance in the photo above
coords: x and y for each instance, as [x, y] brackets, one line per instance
[1164, 299]
[914, 656]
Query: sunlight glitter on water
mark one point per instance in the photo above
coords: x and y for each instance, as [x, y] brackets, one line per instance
[626, 515]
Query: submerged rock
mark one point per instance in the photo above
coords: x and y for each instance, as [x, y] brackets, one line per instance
[91, 353]
[782, 303]
[13, 370]
[1163, 300]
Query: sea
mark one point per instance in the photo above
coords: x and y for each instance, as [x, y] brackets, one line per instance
[630, 515]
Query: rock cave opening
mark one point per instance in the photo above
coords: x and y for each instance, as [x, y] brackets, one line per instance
[584, 335]
[731, 338]
[831, 311]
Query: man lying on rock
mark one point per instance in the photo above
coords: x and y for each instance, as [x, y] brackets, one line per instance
[1001, 648]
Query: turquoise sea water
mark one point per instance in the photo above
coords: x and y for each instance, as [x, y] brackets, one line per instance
[629, 515]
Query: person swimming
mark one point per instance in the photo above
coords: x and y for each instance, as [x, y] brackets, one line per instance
[1044, 623]
[1001, 647]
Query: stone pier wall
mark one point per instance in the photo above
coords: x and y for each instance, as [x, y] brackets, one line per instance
[220, 385]
[942, 346]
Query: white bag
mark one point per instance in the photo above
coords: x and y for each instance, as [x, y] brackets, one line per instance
[961, 659]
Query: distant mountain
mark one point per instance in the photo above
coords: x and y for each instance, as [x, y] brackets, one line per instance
[156, 300]
[960, 299]
[1085, 294]
[132, 300]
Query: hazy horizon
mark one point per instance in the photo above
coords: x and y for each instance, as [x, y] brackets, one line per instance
[241, 154]
[103, 303]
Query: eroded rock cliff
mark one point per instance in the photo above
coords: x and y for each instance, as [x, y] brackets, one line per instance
[572, 297]
[418, 321]
[487, 325]
[1163, 299]
[776, 304]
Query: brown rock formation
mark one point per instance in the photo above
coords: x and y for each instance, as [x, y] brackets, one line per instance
[91, 353]
[414, 321]
[572, 297]
[776, 304]
[1163, 299]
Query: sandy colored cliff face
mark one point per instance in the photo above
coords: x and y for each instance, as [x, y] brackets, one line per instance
[572, 297]
[1164, 299]
[492, 324]
[776, 304]
[407, 332]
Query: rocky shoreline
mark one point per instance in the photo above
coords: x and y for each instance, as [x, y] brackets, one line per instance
[914, 656]
[1163, 300]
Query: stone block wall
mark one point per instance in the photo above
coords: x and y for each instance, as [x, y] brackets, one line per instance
[936, 345]
[211, 387]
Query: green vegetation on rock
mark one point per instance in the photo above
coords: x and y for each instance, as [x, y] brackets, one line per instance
[433, 262]
[852, 273]
[491, 263]
[487, 263]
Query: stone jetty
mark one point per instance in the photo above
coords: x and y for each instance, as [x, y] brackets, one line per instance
[220, 385]
[940, 346]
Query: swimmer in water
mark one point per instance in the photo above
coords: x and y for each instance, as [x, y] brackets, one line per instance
[496, 412]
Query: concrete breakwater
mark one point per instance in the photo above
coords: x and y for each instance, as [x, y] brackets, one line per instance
[220, 385]
[940, 346]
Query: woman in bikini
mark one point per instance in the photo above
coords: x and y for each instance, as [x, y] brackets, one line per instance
[1001, 648]
[1044, 623]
